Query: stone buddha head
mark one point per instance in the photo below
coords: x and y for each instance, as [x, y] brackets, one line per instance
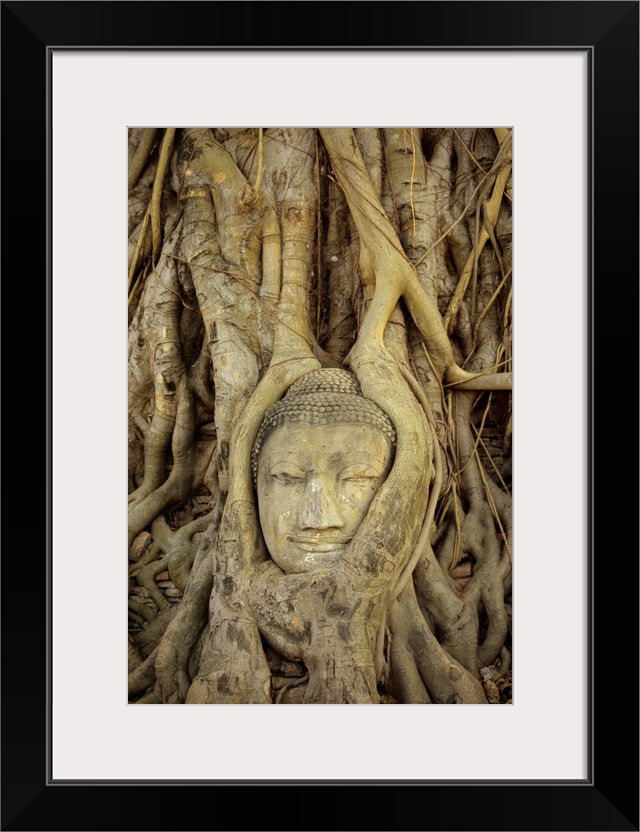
[320, 455]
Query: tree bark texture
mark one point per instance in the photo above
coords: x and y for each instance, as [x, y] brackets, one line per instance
[255, 257]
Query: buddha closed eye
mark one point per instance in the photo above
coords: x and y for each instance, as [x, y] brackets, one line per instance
[317, 466]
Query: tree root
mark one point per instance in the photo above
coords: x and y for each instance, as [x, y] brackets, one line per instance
[156, 194]
[143, 150]
[146, 578]
[143, 610]
[181, 479]
[172, 663]
[445, 680]
[143, 676]
[148, 639]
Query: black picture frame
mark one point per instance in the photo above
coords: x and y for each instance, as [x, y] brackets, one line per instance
[608, 798]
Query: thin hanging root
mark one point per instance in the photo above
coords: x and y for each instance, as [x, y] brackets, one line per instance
[246, 162]
[469, 152]
[490, 303]
[457, 542]
[492, 505]
[435, 373]
[507, 309]
[256, 187]
[142, 276]
[318, 241]
[445, 505]
[141, 155]
[491, 231]
[413, 171]
[478, 432]
[156, 195]
[475, 253]
[137, 252]
[493, 208]
[445, 407]
[490, 458]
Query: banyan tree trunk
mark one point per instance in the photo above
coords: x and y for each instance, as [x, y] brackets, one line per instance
[257, 256]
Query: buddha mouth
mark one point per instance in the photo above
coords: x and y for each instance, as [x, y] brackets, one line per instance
[321, 544]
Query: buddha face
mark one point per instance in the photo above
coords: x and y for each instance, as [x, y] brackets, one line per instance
[315, 484]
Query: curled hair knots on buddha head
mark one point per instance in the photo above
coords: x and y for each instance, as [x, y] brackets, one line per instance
[327, 396]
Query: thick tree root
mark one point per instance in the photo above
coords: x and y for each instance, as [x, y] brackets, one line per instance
[445, 679]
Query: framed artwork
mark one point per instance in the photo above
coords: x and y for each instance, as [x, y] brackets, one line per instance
[257, 375]
[561, 79]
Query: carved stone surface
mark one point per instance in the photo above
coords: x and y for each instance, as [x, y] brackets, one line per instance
[315, 484]
[321, 455]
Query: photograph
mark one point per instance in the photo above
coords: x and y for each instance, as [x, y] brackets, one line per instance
[319, 377]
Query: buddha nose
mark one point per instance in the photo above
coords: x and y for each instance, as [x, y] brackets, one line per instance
[319, 509]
